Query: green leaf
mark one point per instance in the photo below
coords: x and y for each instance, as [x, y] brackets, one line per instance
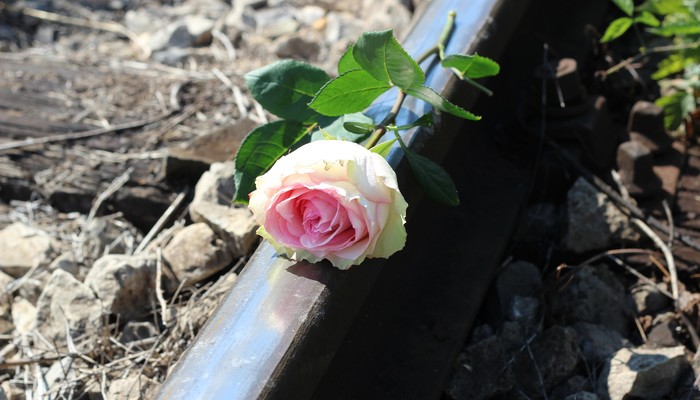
[261, 149]
[627, 6]
[286, 87]
[681, 28]
[351, 92]
[335, 128]
[424, 120]
[383, 148]
[688, 104]
[359, 128]
[434, 180]
[676, 107]
[647, 18]
[664, 7]
[474, 66]
[381, 55]
[616, 29]
[668, 66]
[347, 62]
[429, 96]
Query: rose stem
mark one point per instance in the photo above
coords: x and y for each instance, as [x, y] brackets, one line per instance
[438, 49]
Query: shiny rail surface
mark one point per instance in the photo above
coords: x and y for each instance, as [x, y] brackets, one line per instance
[277, 331]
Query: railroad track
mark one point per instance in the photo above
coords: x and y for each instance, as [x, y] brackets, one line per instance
[389, 328]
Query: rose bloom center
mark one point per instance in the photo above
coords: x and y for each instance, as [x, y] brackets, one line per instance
[315, 219]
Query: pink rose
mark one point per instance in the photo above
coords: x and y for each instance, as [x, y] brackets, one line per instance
[331, 199]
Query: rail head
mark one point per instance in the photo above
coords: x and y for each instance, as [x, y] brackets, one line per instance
[277, 330]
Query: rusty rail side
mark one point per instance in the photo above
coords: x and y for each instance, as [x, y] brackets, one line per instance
[274, 335]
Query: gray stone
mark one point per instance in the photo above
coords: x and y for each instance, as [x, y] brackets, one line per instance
[12, 390]
[688, 300]
[593, 221]
[524, 309]
[663, 331]
[340, 26]
[481, 372]
[518, 278]
[6, 324]
[171, 56]
[5, 281]
[297, 47]
[143, 19]
[135, 387]
[108, 235]
[46, 34]
[513, 336]
[574, 385]
[646, 125]
[199, 29]
[383, 14]
[66, 302]
[216, 185]
[124, 284]
[6, 317]
[554, 358]
[67, 262]
[240, 19]
[642, 373]
[192, 30]
[593, 295]
[663, 317]
[192, 159]
[23, 247]
[598, 343]
[540, 223]
[172, 35]
[236, 226]
[7, 33]
[33, 285]
[59, 372]
[636, 167]
[23, 316]
[195, 253]
[649, 300]
[481, 332]
[276, 22]
[135, 330]
[310, 14]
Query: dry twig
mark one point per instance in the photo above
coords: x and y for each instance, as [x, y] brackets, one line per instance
[625, 206]
[642, 277]
[669, 218]
[161, 222]
[640, 329]
[79, 135]
[113, 187]
[230, 50]
[667, 254]
[159, 290]
[107, 26]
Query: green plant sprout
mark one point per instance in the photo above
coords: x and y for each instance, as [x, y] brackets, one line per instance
[678, 22]
[313, 106]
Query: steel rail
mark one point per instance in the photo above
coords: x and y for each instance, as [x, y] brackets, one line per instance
[277, 331]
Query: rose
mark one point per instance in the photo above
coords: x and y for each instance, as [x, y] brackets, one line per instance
[331, 199]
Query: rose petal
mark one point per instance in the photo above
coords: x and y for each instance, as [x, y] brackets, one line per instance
[333, 200]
